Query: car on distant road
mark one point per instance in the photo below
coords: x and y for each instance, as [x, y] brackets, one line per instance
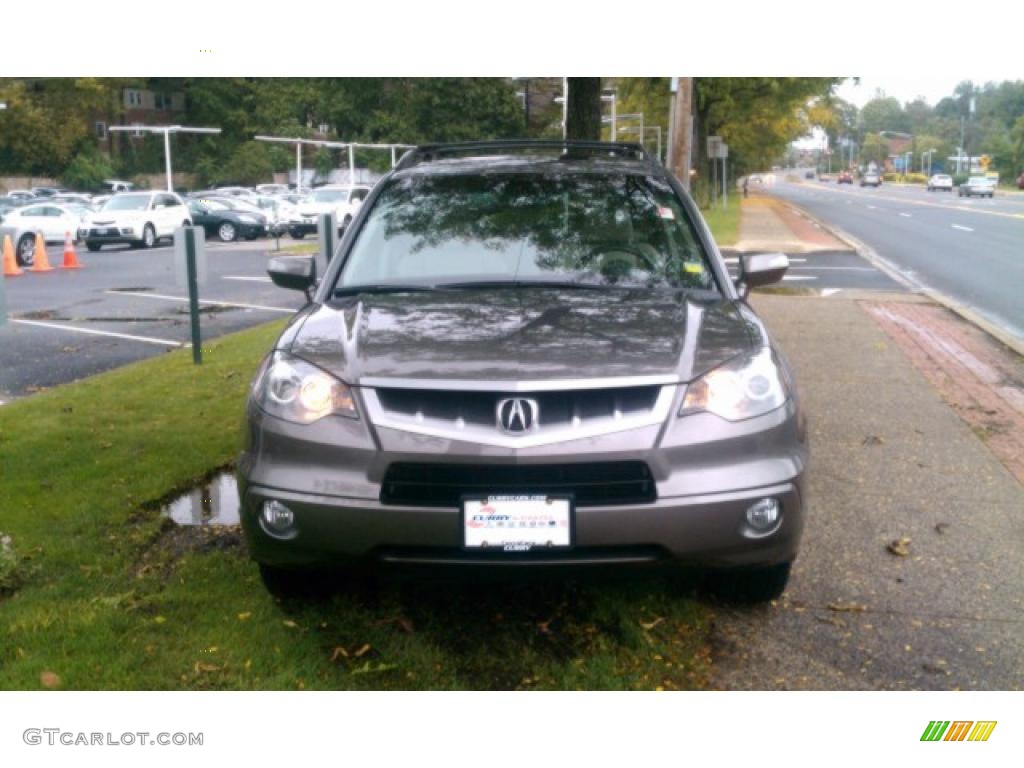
[809, 174]
[136, 218]
[526, 355]
[871, 179]
[1020, 181]
[341, 200]
[845, 177]
[226, 222]
[980, 186]
[55, 222]
[940, 181]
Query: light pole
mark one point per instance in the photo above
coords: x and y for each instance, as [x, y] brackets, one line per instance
[166, 130]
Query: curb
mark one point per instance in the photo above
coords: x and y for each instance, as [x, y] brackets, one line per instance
[871, 256]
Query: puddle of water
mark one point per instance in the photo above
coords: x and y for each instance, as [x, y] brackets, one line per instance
[213, 503]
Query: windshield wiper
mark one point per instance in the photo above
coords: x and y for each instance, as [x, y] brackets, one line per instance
[526, 284]
[355, 290]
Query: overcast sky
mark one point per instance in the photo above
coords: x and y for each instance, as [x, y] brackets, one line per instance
[932, 87]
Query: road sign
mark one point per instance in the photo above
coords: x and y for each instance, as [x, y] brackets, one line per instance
[723, 151]
[713, 143]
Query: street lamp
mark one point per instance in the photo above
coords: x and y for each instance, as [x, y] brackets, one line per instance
[166, 130]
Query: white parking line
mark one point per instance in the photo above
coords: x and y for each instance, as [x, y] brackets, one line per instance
[211, 302]
[905, 215]
[965, 229]
[840, 269]
[873, 207]
[94, 332]
[250, 279]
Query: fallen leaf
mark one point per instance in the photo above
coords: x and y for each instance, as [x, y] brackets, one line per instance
[847, 607]
[363, 650]
[49, 680]
[289, 623]
[339, 652]
[649, 625]
[244, 616]
[941, 527]
[873, 440]
[202, 667]
[899, 547]
[159, 619]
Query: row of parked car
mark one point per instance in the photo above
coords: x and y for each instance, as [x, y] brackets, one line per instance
[142, 218]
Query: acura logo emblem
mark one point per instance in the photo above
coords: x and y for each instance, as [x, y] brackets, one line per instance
[517, 414]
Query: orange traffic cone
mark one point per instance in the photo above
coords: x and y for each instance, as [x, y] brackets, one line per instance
[70, 257]
[42, 261]
[11, 268]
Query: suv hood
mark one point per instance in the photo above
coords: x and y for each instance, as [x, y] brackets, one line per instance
[521, 335]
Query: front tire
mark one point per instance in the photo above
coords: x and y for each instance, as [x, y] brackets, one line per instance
[148, 237]
[26, 251]
[750, 585]
[227, 232]
[93, 247]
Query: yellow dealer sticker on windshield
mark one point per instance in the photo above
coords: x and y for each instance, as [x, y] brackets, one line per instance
[693, 267]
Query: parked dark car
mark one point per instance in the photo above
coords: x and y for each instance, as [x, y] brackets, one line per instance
[225, 220]
[526, 354]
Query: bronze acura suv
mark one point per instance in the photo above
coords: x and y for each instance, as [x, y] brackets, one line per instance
[526, 353]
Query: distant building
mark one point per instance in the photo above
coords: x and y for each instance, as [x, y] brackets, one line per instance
[138, 105]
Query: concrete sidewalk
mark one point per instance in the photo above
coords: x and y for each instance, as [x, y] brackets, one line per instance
[910, 575]
[769, 224]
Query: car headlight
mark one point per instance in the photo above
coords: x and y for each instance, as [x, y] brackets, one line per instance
[749, 386]
[297, 391]
[248, 219]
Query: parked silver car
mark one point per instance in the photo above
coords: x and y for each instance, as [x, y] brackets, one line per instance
[526, 354]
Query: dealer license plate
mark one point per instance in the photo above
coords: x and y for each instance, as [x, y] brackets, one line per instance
[517, 523]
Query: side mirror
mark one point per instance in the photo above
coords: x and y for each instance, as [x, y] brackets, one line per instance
[297, 273]
[760, 269]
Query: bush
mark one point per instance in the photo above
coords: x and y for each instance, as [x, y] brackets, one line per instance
[87, 170]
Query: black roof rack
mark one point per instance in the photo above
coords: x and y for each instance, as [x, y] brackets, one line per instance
[426, 153]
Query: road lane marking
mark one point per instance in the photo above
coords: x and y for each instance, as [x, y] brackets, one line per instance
[872, 207]
[251, 279]
[94, 332]
[905, 215]
[826, 292]
[211, 302]
[965, 229]
[907, 201]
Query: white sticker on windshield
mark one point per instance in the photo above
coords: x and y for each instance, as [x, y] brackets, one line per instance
[666, 213]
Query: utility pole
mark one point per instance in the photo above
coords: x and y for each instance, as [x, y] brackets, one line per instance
[681, 132]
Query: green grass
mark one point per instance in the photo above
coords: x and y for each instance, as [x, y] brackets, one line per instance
[724, 221]
[109, 596]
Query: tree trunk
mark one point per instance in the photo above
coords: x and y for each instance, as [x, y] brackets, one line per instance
[583, 116]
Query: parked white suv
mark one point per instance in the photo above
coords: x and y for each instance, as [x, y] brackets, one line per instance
[341, 200]
[136, 218]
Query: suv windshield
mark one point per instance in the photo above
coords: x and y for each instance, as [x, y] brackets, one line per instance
[516, 228]
[127, 203]
[329, 195]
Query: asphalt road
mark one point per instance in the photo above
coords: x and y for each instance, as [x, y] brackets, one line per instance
[970, 249]
[125, 305]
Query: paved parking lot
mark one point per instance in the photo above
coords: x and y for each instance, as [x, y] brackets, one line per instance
[123, 306]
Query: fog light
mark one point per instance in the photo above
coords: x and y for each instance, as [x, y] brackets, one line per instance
[763, 515]
[277, 517]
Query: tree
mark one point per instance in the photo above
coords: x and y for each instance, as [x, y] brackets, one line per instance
[583, 115]
[883, 114]
[874, 149]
